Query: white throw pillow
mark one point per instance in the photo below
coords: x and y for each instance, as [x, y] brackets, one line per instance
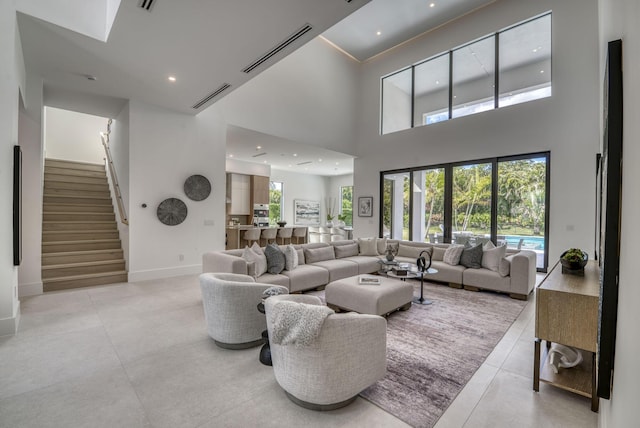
[488, 245]
[290, 257]
[452, 254]
[259, 260]
[491, 257]
[381, 245]
[256, 249]
[368, 247]
[505, 265]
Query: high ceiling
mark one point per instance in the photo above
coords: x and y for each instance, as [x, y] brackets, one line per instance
[205, 45]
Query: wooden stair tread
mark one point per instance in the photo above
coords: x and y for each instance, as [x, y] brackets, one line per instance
[78, 221]
[74, 253]
[76, 197]
[81, 241]
[84, 276]
[83, 264]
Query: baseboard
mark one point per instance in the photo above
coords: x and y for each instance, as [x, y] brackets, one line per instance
[9, 326]
[145, 275]
[32, 289]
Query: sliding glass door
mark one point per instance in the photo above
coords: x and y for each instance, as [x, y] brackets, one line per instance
[522, 205]
[503, 200]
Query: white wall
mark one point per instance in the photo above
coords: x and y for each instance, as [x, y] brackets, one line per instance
[119, 147]
[74, 136]
[310, 97]
[301, 186]
[11, 78]
[165, 148]
[619, 19]
[30, 138]
[566, 123]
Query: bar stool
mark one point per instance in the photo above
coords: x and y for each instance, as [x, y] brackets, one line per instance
[251, 235]
[300, 232]
[284, 234]
[268, 234]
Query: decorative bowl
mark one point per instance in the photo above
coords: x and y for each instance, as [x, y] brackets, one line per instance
[574, 265]
[282, 223]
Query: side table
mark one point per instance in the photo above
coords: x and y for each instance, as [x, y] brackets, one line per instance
[265, 351]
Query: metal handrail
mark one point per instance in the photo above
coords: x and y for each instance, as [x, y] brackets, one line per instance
[112, 171]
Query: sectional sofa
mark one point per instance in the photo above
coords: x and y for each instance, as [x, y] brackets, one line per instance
[321, 263]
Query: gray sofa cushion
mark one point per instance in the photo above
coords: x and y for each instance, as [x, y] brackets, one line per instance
[290, 257]
[438, 254]
[306, 277]
[338, 268]
[313, 255]
[472, 257]
[410, 251]
[368, 247]
[485, 278]
[365, 264]
[347, 250]
[275, 259]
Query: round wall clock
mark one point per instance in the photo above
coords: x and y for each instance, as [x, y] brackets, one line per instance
[172, 211]
[197, 187]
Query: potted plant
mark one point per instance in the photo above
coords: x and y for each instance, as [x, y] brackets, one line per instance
[573, 261]
[331, 210]
[342, 218]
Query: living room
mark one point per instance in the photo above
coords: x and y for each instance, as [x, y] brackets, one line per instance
[345, 112]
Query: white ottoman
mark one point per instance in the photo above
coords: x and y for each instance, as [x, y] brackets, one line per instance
[391, 295]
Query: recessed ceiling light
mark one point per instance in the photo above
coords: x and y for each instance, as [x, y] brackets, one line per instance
[378, 33]
[432, 5]
[437, 82]
[337, 163]
[535, 50]
[295, 155]
[541, 71]
[258, 147]
[172, 78]
[231, 155]
[264, 161]
[289, 165]
[319, 160]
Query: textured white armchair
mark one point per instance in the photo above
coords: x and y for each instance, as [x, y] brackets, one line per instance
[348, 355]
[231, 309]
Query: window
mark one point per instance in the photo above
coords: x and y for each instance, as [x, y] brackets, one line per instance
[396, 102]
[275, 202]
[465, 81]
[525, 62]
[473, 82]
[500, 199]
[346, 205]
[431, 89]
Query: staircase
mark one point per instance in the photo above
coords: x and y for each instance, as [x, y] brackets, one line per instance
[80, 241]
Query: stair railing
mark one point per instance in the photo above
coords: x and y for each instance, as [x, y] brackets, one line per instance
[112, 171]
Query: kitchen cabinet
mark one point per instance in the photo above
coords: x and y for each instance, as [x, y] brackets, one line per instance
[238, 186]
[259, 190]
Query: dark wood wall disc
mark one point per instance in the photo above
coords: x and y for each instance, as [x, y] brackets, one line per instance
[172, 211]
[197, 187]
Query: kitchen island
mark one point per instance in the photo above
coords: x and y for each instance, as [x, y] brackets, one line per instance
[234, 235]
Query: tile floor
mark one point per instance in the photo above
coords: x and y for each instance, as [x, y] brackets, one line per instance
[138, 355]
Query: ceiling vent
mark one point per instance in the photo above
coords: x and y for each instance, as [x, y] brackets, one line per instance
[211, 96]
[259, 154]
[146, 4]
[348, 1]
[292, 38]
[304, 163]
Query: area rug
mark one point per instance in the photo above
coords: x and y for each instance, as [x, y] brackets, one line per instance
[433, 350]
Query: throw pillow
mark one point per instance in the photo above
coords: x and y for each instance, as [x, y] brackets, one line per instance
[300, 252]
[410, 251]
[346, 250]
[312, 255]
[488, 245]
[504, 269]
[472, 257]
[290, 257]
[381, 245]
[259, 260]
[275, 259]
[438, 254]
[256, 248]
[452, 254]
[491, 257]
[368, 247]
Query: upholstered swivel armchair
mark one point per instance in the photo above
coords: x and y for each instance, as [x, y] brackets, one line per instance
[347, 356]
[230, 309]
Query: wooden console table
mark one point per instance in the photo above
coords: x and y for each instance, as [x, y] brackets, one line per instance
[567, 313]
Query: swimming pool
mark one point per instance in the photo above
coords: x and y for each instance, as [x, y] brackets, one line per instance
[529, 242]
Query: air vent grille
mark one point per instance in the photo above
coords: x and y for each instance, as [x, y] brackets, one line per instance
[292, 38]
[146, 4]
[211, 96]
[304, 163]
[348, 1]
[259, 154]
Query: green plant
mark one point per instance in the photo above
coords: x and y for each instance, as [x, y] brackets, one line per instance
[574, 255]
[342, 217]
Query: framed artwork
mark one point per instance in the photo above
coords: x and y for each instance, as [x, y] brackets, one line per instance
[306, 213]
[365, 206]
